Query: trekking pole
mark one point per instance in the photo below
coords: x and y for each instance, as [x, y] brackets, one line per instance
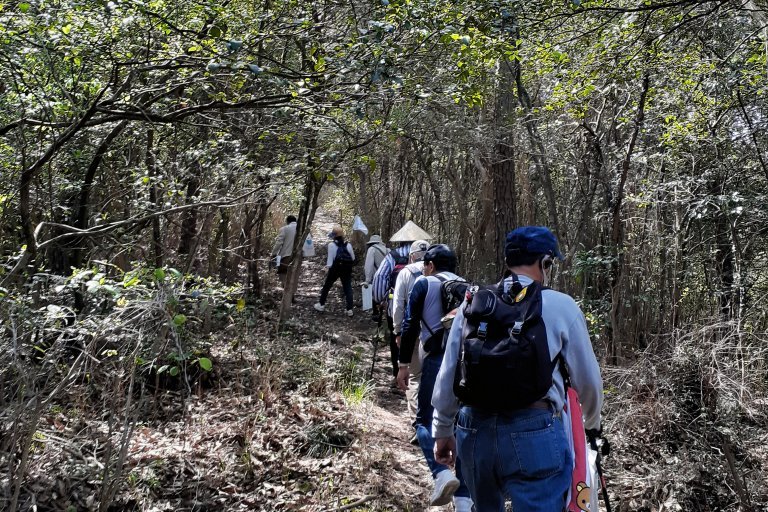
[601, 450]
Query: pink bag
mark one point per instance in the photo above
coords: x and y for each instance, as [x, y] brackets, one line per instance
[583, 495]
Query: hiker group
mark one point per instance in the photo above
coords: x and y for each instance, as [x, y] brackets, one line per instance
[501, 381]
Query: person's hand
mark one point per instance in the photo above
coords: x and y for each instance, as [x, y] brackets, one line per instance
[397, 340]
[445, 450]
[402, 377]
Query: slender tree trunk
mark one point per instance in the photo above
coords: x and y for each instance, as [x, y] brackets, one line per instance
[617, 232]
[503, 167]
[189, 219]
[157, 244]
[82, 208]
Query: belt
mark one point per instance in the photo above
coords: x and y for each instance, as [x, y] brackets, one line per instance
[538, 404]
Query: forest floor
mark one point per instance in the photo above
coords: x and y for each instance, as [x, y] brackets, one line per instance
[305, 419]
[313, 435]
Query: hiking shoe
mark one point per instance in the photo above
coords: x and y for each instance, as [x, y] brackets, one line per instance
[462, 504]
[350, 313]
[446, 484]
[319, 307]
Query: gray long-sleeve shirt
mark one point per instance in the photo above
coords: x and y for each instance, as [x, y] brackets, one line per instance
[566, 332]
[373, 258]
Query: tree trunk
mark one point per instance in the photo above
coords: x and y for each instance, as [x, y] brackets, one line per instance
[157, 244]
[189, 219]
[503, 167]
[81, 216]
[617, 231]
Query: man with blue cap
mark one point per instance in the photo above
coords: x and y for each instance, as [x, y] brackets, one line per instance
[519, 452]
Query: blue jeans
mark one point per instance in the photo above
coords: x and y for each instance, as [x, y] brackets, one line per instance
[522, 455]
[430, 366]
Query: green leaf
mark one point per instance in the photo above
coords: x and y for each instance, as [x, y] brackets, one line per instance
[205, 364]
[24, 7]
[179, 320]
[111, 290]
[159, 274]
[174, 371]
[66, 29]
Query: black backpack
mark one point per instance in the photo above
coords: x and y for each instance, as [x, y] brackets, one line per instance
[452, 292]
[343, 257]
[504, 362]
[400, 263]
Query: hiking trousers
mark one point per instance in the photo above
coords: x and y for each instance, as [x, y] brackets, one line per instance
[334, 273]
[430, 367]
[522, 455]
[394, 351]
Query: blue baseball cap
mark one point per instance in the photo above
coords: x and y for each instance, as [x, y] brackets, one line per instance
[533, 240]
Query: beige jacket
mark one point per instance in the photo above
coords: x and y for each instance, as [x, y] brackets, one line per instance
[284, 241]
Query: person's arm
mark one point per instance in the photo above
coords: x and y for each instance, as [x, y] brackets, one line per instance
[444, 401]
[370, 265]
[351, 251]
[380, 280]
[584, 370]
[402, 283]
[331, 254]
[279, 240]
[412, 319]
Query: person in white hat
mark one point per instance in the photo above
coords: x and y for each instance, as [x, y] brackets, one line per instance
[403, 285]
[376, 253]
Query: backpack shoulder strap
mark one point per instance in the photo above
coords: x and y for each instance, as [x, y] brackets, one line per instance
[380, 250]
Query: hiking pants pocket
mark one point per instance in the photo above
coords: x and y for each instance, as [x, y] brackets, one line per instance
[539, 445]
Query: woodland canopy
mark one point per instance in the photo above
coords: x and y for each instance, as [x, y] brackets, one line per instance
[150, 149]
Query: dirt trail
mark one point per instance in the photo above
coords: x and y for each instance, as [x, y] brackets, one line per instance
[384, 420]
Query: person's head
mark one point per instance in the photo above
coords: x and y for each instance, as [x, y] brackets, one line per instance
[375, 239]
[290, 219]
[439, 258]
[417, 250]
[336, 232]
[531, 250]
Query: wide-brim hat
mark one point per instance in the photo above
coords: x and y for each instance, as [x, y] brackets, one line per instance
[375, 239]
[410, 233]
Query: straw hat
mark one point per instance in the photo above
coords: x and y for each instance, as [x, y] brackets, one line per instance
[409, 233]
